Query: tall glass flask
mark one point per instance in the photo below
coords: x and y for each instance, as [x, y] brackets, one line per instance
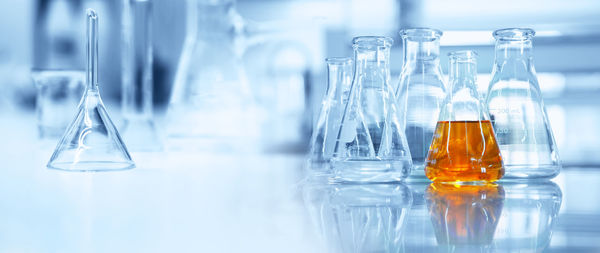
[139, 130]
[211, 106]
[371, 146]
[421, 92]
[517, 110]
[463, 148]
[339, 80]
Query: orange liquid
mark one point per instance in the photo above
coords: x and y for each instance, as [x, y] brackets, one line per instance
[464, 151]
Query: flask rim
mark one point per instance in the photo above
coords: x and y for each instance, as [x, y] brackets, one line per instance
[421, 33]
[514, 34]
[463, 55]
[372, 41]
[338, 60]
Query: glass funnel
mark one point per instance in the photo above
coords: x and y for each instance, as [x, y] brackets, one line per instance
[517, 110]
[463, 147]
[211, 105]
[421, 91]
[91, 142]
[371, 146]
[139, 129]
[465, 217]
[339, 80]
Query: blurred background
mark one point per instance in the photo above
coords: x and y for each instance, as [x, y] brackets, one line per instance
[283, 44]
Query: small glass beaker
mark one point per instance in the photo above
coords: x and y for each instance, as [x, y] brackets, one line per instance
[58, 93]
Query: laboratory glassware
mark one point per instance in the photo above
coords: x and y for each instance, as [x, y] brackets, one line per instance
[339, 80]
[91, 142]
[58, 94]
[463, 148]
[517, 111]
[465, 217]
[359, 217]
[530, 213]
[420, 93]
[139, 129]
[211, 106]
[371, 146]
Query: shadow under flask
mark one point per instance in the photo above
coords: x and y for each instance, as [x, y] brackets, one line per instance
[463, 148]
[517, 111]
[339, 80]
[371, 146]
[421, 91]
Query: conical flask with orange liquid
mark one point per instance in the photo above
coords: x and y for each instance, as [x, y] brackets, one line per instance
[464, 147]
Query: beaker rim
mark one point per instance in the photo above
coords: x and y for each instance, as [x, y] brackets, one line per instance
[380, 41]
[421, 32]
[514, 33]
[338, 60]
[463, 54]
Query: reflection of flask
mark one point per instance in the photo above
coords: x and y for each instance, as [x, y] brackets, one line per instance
[421, 91]
[529, 214]
[211, 100]
[517, 110]
[465, 217]
[371, 145]
[464, 147]
[360, 218]
[339, 78]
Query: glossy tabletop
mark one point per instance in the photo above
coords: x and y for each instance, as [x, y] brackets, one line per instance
[215, 202]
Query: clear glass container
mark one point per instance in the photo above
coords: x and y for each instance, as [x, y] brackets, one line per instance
[91, 142]
[339, 80]
[463, 148]
[211, 106]
[371, 146]
[139, 129]
[420, 93]
[517, 110]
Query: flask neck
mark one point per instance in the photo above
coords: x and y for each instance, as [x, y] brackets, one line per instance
[372, 63]
[421, 52]
[513, 50]
[338, 77]
[216, 21]
[463, 74]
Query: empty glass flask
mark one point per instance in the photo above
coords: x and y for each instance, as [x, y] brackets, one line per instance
[211, 106]
[517, 110]
[421, 92]
[463, 148]
[371, 146]
[339, 80]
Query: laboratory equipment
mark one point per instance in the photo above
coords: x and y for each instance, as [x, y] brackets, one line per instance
[359, 218]
[339, 80]
[517, 110]
[91, 142]
[58, 94]
[463, 148]
[211, 106]
[139, 129]
[371, 146]
[465, 217]
[530, 213]
[420, 93]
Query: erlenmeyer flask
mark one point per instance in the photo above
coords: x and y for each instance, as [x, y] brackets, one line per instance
[139, 129]
[465, 217]
[211, 106]
[91, 142]
[339, 80]
[371, 146]
[421, 92]
[463, 147]
[517, 110]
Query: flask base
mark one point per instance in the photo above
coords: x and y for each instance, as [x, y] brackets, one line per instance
[528, 172]
[370, 171]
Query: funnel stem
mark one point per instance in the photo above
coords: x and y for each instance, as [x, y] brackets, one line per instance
[92, 49]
